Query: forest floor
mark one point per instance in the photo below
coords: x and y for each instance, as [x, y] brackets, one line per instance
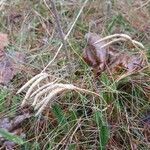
[88, 107]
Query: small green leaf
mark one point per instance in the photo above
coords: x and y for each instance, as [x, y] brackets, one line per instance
[9, 136]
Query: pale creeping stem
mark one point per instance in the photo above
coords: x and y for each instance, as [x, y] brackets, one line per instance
[32, 86]
[48, 89]
[47, 99]
[121, 37]
[30, 82]
[42, 87]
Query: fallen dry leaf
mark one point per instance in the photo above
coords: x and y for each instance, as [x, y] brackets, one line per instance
[108, 59]
[136, 13]
[93, 55]
[9, 62]
[127, 62]
[10, 66]
[13, 125]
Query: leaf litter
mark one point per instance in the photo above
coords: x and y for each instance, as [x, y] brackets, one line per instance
[10, 65]
[136, 13]
[10, 62]
[102, 56]
[12, 129]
